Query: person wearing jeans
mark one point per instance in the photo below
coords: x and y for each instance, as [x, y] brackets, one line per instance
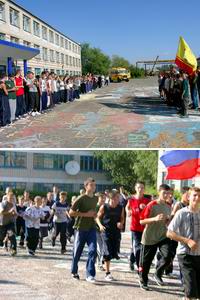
[84, 210]
[134, 208]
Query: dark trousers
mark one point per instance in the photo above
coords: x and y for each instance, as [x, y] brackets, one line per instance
[20, 226]
[5, 114]
[8, 230]
[32, 238]
[147, 255]
[34, 101]
[62, 96]
[60, 228]
[184, 106]
[81, 238]
[44, 101]
[20, 106]
[190, 268]
[76, 94]
[173, 247]
[136, 237]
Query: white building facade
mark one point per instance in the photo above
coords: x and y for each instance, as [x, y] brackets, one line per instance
[58, 53]
[40, 170]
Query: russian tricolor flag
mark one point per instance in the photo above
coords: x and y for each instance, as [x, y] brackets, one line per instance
[181, 164]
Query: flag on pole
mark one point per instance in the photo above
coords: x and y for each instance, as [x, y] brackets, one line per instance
[181, 164]
[185, 58]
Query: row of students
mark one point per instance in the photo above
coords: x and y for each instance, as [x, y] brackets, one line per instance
[21, 96]
[162, 222]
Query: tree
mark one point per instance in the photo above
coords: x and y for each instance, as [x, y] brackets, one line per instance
[126, 167]
[136, 72]
[118, 61]
[94, 60]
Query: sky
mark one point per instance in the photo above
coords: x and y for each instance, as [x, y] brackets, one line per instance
[134, 29]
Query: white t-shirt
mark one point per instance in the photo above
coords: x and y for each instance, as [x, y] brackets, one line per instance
[32, 217]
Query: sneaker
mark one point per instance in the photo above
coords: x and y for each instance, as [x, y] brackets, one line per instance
[144, 286]
[158, 280]
[63, 251]
[31, 252]
[131, 266]
[38, 113]
[109, 277]
[13, 252]
[90, 279]
[33, 114]
[75, 276]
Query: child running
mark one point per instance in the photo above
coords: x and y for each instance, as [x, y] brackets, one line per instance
[32, 217]
[60, 212]
[110, 219]
[20, 222]
[8, 215]
[44, 222]
[155, 217]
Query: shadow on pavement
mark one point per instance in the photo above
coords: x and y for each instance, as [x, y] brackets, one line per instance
[9, 282]
[144, 106]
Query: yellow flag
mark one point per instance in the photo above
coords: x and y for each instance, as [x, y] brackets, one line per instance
[185, 58]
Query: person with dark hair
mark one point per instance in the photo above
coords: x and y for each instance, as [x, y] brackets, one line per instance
[20, 105]
[4, 103]
[155, 217]
[185, 229]
[134, 208]
[110, 220]
[84, 210]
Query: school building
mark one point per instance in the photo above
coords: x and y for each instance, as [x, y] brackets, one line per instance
[29, 43]
[40, 170]
[176, 184]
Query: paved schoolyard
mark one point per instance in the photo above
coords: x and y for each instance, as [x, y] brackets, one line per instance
[126, 115]
[47, 277]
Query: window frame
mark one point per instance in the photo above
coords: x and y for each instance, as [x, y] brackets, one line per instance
[11, 9]
[28, 18]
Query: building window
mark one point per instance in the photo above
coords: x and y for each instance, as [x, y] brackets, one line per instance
[61, 42]
[38, 48]
[45, 55]
[90, 163]
[44, 33]
[2, 36]
[57, 39]
[26, 23]
[50, 161]
[15, 40]
[51, 36]
[70, 46]
[2, 11]
[27, 44]
[37, 71]
[12, 159]
[57, 57]
[13, 185]
[36, 28]
[70, 61]
[67, 60]
[66, 44]
[62, 59]
[14, 17]
[58, 72]
[46, 187]
[52, 56]
[74, 62]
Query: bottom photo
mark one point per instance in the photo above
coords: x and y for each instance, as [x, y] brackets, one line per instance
[121, 224]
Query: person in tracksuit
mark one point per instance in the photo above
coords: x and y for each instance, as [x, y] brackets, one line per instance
[60, 219]
[84, 210]
[5, 114]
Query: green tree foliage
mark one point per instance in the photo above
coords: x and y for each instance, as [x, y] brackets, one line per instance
[94, 60]
[136, 72]
[118, 62]
[126, 167]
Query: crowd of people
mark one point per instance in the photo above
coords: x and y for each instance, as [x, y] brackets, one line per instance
[161, 228]
[180, 90]
[32, 95]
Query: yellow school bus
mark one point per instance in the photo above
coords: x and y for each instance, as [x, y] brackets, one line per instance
[120, 74]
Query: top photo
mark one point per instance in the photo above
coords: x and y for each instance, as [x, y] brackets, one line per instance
[99, 75]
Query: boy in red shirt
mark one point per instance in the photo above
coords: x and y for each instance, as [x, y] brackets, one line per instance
[134, 208]
[20, 104]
